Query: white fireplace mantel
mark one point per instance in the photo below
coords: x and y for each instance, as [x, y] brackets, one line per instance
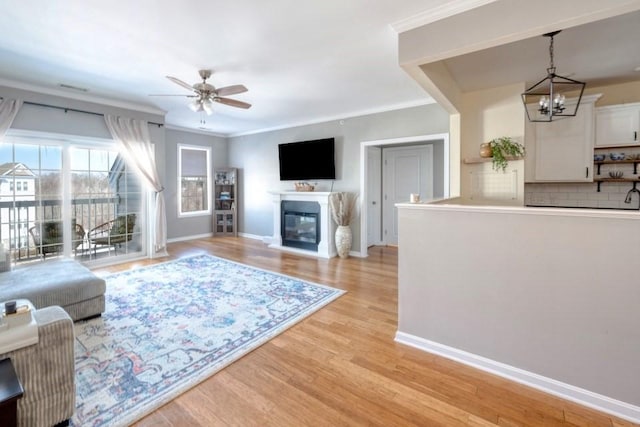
[326, 247]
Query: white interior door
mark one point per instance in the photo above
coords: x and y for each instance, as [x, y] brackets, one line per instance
[374, 196]
[406, 170]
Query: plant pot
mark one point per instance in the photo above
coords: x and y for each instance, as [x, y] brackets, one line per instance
[486, 150]
[343, 240]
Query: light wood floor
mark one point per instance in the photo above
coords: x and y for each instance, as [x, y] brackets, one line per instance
[341, 366]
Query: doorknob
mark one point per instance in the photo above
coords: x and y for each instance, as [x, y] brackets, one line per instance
[373, 203]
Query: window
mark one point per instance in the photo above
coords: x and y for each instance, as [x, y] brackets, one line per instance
[70, 208]
[194, 176]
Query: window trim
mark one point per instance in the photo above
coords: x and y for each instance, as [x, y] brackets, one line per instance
[204, 212]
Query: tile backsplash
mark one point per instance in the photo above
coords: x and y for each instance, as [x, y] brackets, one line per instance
[583, 195]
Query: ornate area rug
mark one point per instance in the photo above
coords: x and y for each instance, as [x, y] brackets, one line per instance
[169, 326]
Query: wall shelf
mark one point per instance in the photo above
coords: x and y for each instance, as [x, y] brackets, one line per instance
[601, 180]
[476, 160]
[613, 162]
[609, 147]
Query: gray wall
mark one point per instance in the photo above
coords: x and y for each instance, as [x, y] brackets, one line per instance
[256, 156]
[535, 289]
[43, 119]
[196, 225]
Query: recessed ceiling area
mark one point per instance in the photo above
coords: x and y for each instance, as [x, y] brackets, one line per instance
[599, 53]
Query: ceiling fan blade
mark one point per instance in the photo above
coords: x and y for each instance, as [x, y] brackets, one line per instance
[231, 90]
[232, 102]
[180, 82]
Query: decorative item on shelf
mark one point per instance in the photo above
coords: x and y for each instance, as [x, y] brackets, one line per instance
[616, 174]
[486, 150]
[598, 157]
[343, 211]
[616, 156]
[304, 186]
[545, 100]
[502, 148]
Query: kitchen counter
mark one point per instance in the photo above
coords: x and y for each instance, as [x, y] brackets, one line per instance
[457, 204]
[573, 207]
[545, 296]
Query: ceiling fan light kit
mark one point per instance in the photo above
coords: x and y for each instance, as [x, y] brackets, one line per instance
[200, 104]
[546, 100]
[206, 94]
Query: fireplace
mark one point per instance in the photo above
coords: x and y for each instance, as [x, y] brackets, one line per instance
[302, 211]
[300, 227]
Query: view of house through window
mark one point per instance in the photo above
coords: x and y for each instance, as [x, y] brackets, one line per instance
[66, 198]
[194, 174]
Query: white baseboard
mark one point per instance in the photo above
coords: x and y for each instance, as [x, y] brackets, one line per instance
[193, 237]
[548, 385]
[251, 236]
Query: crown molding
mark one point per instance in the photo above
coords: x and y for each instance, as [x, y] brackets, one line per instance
[325, 119]
[81, 97]
[190, 130]
[449, 8]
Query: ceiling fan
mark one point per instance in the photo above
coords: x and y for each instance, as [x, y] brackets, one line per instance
[205, 94]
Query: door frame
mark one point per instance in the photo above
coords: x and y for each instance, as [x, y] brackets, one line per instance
[364, 251]
[378, 153]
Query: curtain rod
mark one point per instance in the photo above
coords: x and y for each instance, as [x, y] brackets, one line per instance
[66, 109]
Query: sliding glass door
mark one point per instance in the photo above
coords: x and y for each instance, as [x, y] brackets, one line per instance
[68, 198]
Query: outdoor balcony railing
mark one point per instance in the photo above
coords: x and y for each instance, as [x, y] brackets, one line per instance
[17, 217]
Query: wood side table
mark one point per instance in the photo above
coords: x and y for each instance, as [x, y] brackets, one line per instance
[10, 392]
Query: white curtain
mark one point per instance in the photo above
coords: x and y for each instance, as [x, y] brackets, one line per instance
[8, 110]
[134, 142]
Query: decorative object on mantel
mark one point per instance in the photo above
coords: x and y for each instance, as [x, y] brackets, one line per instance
[545, 100]
[343, 210]
[485, 150]
[304, 186]
[502, 149]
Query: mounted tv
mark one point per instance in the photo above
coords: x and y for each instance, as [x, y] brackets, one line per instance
[307, 160]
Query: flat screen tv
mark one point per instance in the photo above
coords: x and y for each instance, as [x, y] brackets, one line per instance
[307, 160]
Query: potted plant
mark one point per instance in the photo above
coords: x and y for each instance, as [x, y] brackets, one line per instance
[343, 210]
[503, 149]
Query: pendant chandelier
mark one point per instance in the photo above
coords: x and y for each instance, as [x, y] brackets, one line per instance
[546, 100]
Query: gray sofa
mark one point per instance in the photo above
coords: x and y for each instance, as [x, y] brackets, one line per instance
[62, 282]
[46, 371]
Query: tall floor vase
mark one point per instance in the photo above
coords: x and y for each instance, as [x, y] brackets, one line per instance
[343, 240]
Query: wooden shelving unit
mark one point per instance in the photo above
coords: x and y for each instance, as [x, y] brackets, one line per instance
[225, 217]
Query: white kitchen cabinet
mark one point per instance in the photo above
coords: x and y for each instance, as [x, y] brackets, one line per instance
[564, 148]
[617, 125]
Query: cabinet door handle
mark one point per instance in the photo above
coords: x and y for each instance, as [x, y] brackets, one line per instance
[635, 135]
[587, 175]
